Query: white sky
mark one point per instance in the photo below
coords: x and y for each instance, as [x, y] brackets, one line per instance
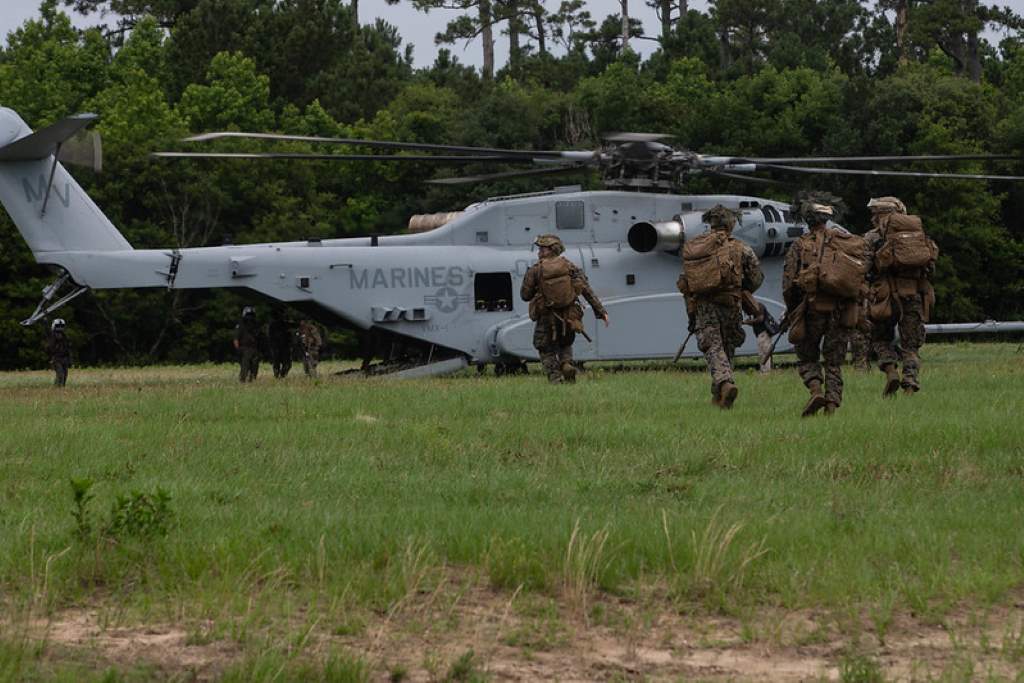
[416, 27]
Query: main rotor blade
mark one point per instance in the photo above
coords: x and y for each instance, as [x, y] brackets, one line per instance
[876, 159]
[635, 137]
[909, 174]
[748, 178]
[449, 159]
[380, 144]
[466, 180]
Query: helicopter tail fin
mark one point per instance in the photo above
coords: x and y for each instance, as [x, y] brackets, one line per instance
[49, 208]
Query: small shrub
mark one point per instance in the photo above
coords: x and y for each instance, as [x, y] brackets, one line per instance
[140, 515]
[82, 497]
[137, 515]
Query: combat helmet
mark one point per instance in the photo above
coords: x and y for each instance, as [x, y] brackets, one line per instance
[552, 242]
[816, 208]
[886, 205]
[720, 217]
[58, 324]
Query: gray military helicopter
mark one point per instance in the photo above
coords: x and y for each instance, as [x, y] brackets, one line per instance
[446, 294]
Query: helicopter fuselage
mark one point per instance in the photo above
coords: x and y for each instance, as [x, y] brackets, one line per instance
[457, 286]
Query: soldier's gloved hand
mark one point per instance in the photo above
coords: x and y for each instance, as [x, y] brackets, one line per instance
[605, 319]
[691, 324]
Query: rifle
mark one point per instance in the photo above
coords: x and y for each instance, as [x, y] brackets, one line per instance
[565, 323]
[787, 319]
[682, 348]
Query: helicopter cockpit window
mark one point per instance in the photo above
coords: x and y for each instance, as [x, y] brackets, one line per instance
[493, 291]
[569, 215]
[771, 214]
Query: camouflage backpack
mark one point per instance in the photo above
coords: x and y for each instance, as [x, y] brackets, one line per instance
[712, 263]
[556, 283]
[843, 265]
[907, 251]
[835, 266]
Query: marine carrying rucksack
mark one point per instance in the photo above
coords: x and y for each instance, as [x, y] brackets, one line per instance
[556, 282]
[907, 250]
[712, 263]
[842, 265]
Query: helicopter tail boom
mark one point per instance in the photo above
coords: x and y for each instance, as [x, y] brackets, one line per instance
[50, 209]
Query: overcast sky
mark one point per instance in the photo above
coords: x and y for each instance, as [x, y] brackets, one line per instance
[415, 27]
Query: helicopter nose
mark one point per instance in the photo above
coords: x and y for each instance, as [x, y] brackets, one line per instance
[11, 126]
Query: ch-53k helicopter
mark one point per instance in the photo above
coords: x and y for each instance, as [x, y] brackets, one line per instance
[446, 293]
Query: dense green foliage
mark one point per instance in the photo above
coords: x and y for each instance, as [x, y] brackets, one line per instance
[289, 503]
[772, 77]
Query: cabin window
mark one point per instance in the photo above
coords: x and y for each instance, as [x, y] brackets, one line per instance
[493, 291]
[569, 215]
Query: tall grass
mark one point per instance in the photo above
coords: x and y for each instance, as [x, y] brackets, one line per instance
[294, 496]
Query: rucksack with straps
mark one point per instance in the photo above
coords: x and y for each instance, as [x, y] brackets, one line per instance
[712, 263]
[907, 251]
[556, 283]
[842, 265]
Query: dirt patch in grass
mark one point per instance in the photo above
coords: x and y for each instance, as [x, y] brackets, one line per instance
[460, 630]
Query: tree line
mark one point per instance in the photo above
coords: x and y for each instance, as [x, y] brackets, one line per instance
[746, 77]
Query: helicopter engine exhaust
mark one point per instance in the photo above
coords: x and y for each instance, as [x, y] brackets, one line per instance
[646, 236]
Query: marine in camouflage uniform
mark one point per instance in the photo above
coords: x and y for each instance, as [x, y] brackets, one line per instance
[716, 318]
[555, 330]
[909, 310]
[247, 343]
[311, 341]
[59, 349]
[280, 333]
[824, 337]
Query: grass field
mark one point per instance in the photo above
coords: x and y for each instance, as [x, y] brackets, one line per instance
[473, 528]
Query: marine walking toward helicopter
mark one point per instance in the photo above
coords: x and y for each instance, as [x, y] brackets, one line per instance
[823, 283]
[717, 271]
[552, 287]
[248, 340]
[311, 341]
[902, 260]
[58, 347]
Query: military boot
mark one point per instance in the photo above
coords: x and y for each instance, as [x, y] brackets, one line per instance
[569, 372]
[910, 389]
[831, 408]
[727, 395]
[892, 380]
[817, 400]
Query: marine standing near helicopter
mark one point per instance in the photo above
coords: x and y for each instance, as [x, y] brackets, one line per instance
[279, 335]
[247, 342]
[822, 284]
[717, 270]
[59, 349]
[552, 286]
[902, 259]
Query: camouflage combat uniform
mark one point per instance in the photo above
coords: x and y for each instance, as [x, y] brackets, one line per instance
[247, 341]
[555, 330]
[860, 344]
[280, 332]
[910, 309]
[717, 318]
[59, 349]
[311, 341]
[825, 338]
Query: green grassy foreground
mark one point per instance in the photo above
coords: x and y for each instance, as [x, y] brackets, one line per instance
[345, 494]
